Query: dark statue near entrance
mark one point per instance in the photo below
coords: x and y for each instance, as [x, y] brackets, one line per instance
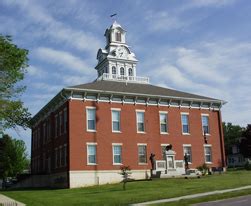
[152, 159]
[186, 161]
[169, 147]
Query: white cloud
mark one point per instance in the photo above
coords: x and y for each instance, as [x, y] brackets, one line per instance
[36, 71]
[54, 29]
[63, 59]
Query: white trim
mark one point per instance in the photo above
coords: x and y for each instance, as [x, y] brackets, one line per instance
[208, 145]
[140, 110]
[185, 113]
[91, 143]
[116, 144]
[186, 133]
[90, 107]
[87, 151]
[163, 145]
[86, 114]
[116, 109]
[187, 145]
[203, 114]
[163, 112]
[141, 144]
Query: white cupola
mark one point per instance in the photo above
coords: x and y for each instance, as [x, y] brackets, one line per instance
[116, 61]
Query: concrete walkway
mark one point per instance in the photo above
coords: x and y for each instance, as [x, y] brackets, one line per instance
[193, 196]
[6, 201]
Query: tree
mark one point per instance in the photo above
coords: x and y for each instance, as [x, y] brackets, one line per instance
[231, 135]
[13, 159]
[13, 64]
[245, 144]
[125, 172]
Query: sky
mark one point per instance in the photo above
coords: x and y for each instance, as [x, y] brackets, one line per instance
[196, 46]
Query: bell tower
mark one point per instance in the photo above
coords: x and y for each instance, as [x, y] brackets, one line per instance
[116, 61]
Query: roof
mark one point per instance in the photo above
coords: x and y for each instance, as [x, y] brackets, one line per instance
[136, 88]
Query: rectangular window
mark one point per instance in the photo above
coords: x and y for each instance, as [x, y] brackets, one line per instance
[141, 121]
[118, 36]
[91, 119]
[208, 154]
[142, 154]
[115, 120]
[117, 154]
[65, 120]
[56, 125]
[163, 151]
[185, 123]
[91, 154]
[187, 150]
[205, 124]
[60, 123]
[163, 123]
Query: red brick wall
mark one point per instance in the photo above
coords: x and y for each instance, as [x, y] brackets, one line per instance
[129, 137]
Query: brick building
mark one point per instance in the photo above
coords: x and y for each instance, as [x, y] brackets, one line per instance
[86, 132]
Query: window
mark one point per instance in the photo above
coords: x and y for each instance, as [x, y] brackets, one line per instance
[65, 120]
[140, 121]
[91, 119]
[163, 122]
[122, 71]
[188, 151]
[114, 70]
[115, 120]
[185, 123]
[205, 124]
[56, 125]
[163, 151]
[142, 154]
[60, 123]
[91, 153]
[117, 149]
[56, 157]
[208, 154]
[130, 73]
[118, 36]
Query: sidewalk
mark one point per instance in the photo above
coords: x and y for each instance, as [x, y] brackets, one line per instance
[6, 201]
[193, 196]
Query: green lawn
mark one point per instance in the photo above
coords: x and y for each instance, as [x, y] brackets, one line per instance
[136, 191]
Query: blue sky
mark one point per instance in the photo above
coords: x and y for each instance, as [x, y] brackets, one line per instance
[197, 46]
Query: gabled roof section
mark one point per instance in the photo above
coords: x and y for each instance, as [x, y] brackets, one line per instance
[137, 89]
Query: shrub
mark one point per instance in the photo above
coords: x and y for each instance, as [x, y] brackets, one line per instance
[247, 165]
[203, 168]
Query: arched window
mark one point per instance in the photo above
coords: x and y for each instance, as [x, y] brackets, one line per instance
[118, 36]
[114, 70]
[130, 73]
[122, 71]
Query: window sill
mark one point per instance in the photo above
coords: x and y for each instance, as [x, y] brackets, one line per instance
[208, 162]
[207, 134]
[92, 164]
[143, 164]
[185, 133]
[164, 133]
[116, 132]
[117, 164]
[91, 130]
[141, 132]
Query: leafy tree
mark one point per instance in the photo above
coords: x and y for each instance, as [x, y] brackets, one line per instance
[231, 135]
[13, 159]
[125, 172]
[13, 64]
[245, 144]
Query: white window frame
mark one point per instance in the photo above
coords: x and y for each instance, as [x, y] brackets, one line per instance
[140, 111]
[138, 145]
[208, 145]
[113, 155]
[87, 151]
[116, 110]
[187, 114]
[191, 155]
[205, 115]
[90, 130]
[166, 114]
[163, 154]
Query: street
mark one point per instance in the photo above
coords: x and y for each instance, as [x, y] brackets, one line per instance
[243, 201]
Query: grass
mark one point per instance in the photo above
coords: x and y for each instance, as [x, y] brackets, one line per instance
[136, 191]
